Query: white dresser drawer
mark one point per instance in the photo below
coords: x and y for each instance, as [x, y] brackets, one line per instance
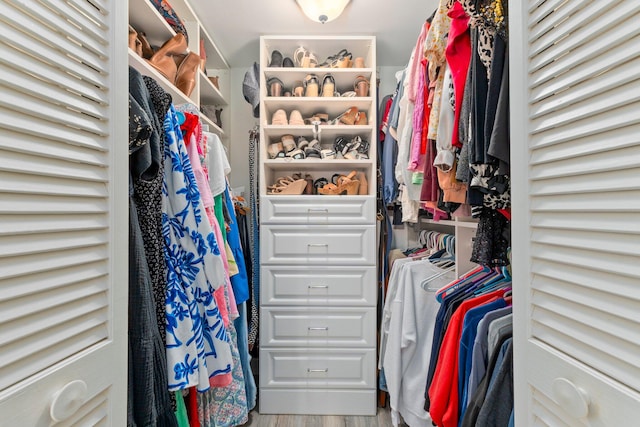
[318, 327]
[318, 210]
[337, 286]
[319, 402]
[305, 368]
[318, 244]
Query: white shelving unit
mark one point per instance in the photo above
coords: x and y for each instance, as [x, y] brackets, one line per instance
[144, 17]
[318, 252]
[465, 230]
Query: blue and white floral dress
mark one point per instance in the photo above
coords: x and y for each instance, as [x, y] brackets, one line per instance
[197, 341]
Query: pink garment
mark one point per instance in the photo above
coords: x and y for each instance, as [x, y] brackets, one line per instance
[414, 67]
[458, 55]
[416, 155]
[201, 176]
[220, 294]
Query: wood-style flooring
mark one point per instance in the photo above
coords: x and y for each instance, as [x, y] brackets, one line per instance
[383, 419]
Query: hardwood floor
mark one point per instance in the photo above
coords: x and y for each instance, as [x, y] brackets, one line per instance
[383, 419]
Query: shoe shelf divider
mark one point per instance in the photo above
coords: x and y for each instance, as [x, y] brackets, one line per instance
[318, 255]
[144, 17]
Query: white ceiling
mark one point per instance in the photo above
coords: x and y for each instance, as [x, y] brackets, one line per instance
[237, 25]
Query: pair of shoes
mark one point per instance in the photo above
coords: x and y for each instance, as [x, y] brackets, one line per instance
[361, 86]
[311, 149]
[341, 59]
[341, 185]
[308, 189]
[351, 117]
[280, 118]
[287, 185]
[292, 149]
[177, 66]
[304, 59]
[354, 149]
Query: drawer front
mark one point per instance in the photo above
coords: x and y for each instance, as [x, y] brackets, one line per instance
[314, 327]
[317, 244]
[353, 286]
[318, 210]
[319, 402]
[310, 368]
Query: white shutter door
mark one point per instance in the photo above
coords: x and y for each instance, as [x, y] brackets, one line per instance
[576, 208]
[63, 212]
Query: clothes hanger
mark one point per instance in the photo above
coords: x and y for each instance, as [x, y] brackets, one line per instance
[478, 275]
[425, 282]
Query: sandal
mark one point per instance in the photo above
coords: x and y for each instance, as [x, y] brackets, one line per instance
[304, 59]
[275, 86]
[348, 183]
[287, 185]
[276, 150]
[361, 86]
[349, 117]
[309, 189]
[288, 143]
[311, 85]
[341, 59]
[328, 86]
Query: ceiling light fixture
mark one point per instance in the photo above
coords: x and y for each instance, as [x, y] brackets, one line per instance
[322, 10]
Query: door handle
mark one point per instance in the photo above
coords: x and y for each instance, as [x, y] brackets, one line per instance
[316, 371]
[68, 400]
[318, 287]
[573, 399]
[318, 328]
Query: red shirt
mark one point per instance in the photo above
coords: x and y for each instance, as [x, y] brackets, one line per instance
[458, 55]
[443, 392]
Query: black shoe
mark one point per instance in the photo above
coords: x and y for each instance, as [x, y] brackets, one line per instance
[287, 62]
[276, 59]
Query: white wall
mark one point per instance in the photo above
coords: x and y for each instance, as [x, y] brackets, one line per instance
[241, 121]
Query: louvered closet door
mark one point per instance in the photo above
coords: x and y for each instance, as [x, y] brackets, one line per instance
[63, 213]
[576, 208]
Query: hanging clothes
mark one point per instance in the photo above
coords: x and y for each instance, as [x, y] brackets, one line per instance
[149, 401]
[197, 342]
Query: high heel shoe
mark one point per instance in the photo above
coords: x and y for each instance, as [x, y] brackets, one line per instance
[186, 73]
[311, 85]
[275, 86]
[363, 190]
[162, 60]
[287, 185]
[361, 86]
[328, 86]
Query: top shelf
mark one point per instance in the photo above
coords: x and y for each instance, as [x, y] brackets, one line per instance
[321, 46]
[144, 17]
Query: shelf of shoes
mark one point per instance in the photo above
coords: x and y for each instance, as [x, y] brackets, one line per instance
[144, 17]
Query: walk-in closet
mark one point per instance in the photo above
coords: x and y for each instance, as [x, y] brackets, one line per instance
[319, 213]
